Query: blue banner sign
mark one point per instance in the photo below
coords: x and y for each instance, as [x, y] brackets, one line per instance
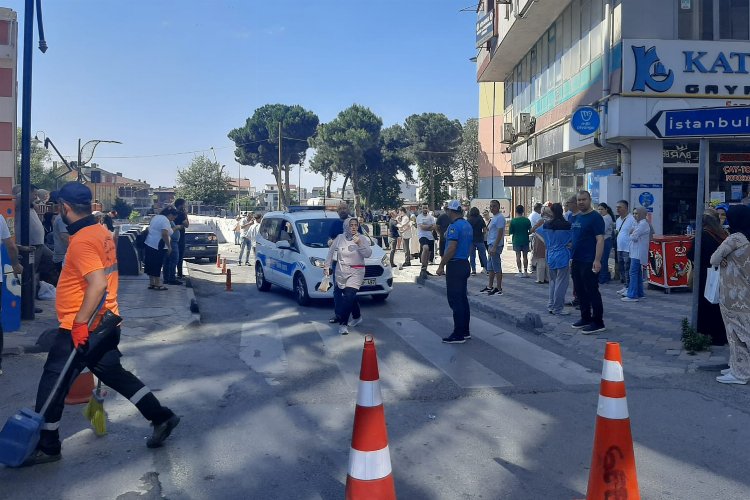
[706, 122]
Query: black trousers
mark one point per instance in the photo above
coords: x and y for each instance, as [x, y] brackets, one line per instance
[456, 277]
[108, 369]
[586, 285]
[182, 254]
[348, 304]
[1, 326]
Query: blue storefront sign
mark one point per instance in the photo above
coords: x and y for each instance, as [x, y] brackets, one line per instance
[706, 122]
[585, 120]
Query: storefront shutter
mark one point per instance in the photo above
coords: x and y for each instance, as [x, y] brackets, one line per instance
[600, 159]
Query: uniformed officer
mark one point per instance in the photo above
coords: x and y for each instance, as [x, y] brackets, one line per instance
[455, 265]
[90, 270]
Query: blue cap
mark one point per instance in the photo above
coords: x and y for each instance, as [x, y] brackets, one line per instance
[53, 196]
[455, 205]
[75, 194]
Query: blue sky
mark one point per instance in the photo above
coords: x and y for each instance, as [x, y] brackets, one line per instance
[168, 76]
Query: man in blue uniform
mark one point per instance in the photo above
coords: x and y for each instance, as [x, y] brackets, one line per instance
[455, 266]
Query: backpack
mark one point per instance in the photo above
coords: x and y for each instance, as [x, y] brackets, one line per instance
[140, 240]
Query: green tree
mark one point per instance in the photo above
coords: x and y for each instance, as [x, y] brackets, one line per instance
[466, 166]
[347, 141]
[257, 142]
[382, 187]
[41, 175]
[134, 216]
[122, 208]
[204, 180]
[433, 140]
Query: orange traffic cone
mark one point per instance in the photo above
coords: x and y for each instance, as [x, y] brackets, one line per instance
[224, 266]
[80, 391]
[613, 473]
[370, 474]
[218, 260]
[229, 280]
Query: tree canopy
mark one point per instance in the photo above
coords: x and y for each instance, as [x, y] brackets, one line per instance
[434, 140]
[204, 180]
[122, 208]
[466, 167]
[41, 175]
[257, 142]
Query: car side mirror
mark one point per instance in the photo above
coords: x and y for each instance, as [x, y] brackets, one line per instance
[283, 245]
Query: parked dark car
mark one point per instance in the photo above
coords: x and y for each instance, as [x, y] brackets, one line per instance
[201, 242]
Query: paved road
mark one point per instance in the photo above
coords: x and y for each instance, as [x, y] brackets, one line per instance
[267, 391]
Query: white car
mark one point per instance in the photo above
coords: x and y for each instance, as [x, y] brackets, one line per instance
[291, 250]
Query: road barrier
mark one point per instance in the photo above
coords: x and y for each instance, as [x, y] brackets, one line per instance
[370, 474]
[218, 260]
[613, 472]
[229, 280]
[224, 265]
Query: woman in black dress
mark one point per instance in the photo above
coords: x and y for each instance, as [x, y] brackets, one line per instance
[709, 315]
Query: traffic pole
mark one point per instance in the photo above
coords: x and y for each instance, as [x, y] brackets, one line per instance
[229, 280]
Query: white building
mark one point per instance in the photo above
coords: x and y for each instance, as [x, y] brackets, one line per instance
[631, 60]
[409, 192]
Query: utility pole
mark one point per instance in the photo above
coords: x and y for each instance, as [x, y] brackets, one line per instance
[432, 185]
[282, 184]
[27, 259]
[238, 187]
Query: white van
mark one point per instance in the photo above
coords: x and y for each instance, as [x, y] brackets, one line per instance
[291, 250]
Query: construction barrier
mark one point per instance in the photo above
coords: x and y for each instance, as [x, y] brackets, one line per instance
[370, 475]
[613, 472]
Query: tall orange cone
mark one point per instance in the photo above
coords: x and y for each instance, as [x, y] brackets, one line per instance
[218, 260]
[370, 475]
[224, 266]
[229, 280]
[613, 473]
[80, 391]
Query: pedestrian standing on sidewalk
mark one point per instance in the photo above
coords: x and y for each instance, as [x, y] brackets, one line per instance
[350, 249]
[245, 243]
[157, 245]
[588, 245]
[733, 259]
[709, 315]
[539, 248]
[455, 265]
[558, 239]
[609, 223]
[442, 221]
[623, 226]
[425, 226]
[182, 222]
[10, 247]
[238, 231]
[252, 235]
[59, 237]
[519, 232]
[404, 230]
[640, 236]
[495, 243]
[337, 228]
[170, 260]
[571, 208]
[89, 272]
[534, 217]
[478, 227]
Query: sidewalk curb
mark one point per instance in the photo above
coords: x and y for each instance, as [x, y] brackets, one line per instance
[531, 322]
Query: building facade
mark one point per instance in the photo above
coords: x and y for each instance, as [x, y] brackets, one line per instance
[8, 98]
[630, 60]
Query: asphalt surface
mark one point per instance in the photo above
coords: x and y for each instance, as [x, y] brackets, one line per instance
[267, 391]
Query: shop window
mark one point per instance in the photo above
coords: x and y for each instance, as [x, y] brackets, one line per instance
[597, 18]
[713, 19]
[734, 19]
[567, 27]
[585, 32]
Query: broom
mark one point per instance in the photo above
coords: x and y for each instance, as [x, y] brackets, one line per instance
[94, 411]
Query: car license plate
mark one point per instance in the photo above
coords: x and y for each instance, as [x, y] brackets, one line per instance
[197, 248]
[368, 282]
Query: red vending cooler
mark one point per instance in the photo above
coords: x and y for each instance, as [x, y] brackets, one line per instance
[668, 265]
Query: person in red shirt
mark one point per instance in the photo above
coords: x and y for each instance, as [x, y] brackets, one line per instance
[89, 271]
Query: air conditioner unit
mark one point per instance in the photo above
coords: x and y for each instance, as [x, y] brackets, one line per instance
[509, 134]
[525, 124]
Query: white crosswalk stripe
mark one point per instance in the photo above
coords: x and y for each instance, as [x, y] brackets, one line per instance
[262, 349]
[561, 369]
[464, 370]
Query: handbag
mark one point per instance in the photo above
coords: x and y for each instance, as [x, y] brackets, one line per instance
[711, 292]
[325, 284]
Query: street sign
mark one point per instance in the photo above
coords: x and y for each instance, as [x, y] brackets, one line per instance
[703, 122]
[585, 120]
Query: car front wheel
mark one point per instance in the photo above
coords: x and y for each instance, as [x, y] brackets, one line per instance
[300, 290]
[260, 279]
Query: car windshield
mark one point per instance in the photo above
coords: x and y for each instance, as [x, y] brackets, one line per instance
[314, 233]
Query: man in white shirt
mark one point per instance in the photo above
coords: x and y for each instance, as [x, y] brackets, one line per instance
[495, 242]
[623, 227]
[640, 236]
[12, 250]
[404, 230]
[245, 225]
[425, 226]
[252, 234]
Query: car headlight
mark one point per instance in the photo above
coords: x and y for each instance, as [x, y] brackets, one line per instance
[385, 262]
[317, 262]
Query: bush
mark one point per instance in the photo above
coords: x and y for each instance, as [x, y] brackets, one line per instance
[693, 341]
[134, 216]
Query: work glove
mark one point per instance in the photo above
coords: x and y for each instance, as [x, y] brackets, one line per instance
[80, 334]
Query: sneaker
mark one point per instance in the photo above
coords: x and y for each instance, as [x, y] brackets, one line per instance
[454, 339]
[592, 328]
[561, 313]
[574, 302]
[343, 330]
[162, 432]
[723, 372]
[485, 289]
[247, 263]
[467, 336]
[628, 299]
[428, 273]
[729, 378]
[334, 319]
[473, 273]
[520, 275]
[406, 264]
[39, 457]
[580, 323]
[623, 293]
[356, 321]
[495, 291]
[622, 290]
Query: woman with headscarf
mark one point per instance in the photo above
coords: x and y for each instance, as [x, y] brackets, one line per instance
[558, 240]
[609, 223]
[733, 259]
[709, 315]
[539, 249]
[351, 250]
